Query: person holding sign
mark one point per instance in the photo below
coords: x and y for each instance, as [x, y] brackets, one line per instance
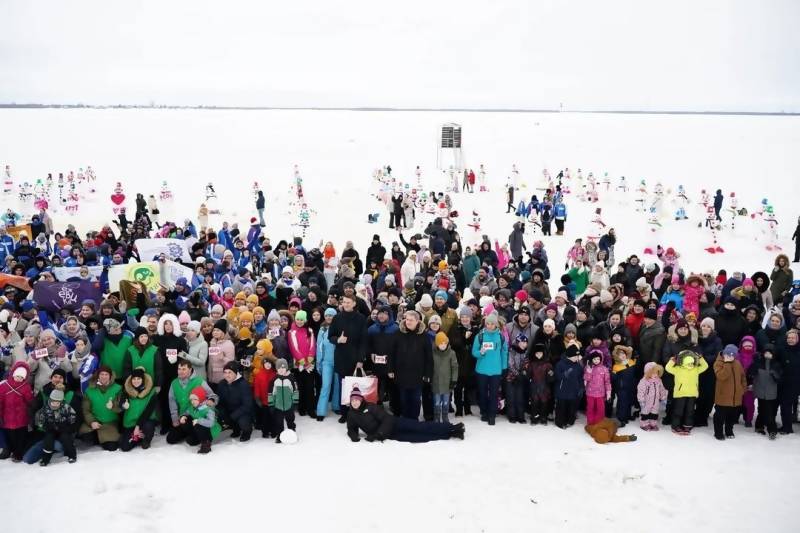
[49, 354]
[491, 351]
[348, 332]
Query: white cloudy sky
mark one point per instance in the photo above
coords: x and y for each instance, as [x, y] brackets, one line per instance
[626, 54]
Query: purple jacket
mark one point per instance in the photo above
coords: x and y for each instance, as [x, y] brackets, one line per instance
[597, 381]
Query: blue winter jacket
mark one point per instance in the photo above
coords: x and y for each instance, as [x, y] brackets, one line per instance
[325, 349]
[6, 248]
[560, 212]
[569, 380]
[495, 360]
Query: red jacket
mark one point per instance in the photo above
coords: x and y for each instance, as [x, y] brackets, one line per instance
[262, 383]
[634, 322]
[15, 400]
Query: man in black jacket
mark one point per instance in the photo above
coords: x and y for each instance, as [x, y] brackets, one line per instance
[348, 332]
[235, 405]
[411, 365]
[380, 425]
[376, 252]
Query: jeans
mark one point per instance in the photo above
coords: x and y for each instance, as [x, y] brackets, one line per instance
[261, 217]
[441, 401]
[487, 395]
[36, 451]
[407, 430]
[325, 390]
[410, 400]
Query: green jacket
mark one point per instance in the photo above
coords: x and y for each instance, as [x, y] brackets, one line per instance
[96, 400]
[205, 416]
[445, 370]
[581, 279]
[471, 265]
[686, 378]
[180, 394]
[284, 393]
[138, 401]
[113, 355]
[146, 360]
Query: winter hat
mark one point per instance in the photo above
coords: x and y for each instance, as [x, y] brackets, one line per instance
[57, 395]
[730, 350]
[264, 345]
[441, 294]
[676, 279]
[681, 323]
[184, 318]
[653, 368]
[465, 311]
[111, 323]
[252, 299]
[441, 338]
[442, 265]
[435, 319]
[26, 306]
[572, 351]
[524, 310]
[485, 301]
[245, 333]
[138, 372]
[106, 369]
[199, 393]
[641, 303]
[355, 392]
[140, 331]
[686, 358]
[59, 372]
[708, 321]
[652, 314]
[194, 325]
[521, 338]
[536, 294]
[20, 372]
[747, 282]
[491, 319]
[641, 283]
[281, 364]
[301, 315]
[252, 220]
[551, 307]
[34, 330]
[524, 276]
[233, 366]
[670, 251]
[595, 353]
[331, 311]
[690, 317]
[650, 267]
[273, 315]
[218, 309]
[549, 322]
[426, 301]
[521, 296]
[570, 328]
[606, 297]
[221, 325]
[563, 295]
[287, 270]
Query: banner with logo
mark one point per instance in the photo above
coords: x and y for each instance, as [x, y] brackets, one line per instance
[173, 249]
[56, 295]
[172, 271]
[148, 273]
[65, 273]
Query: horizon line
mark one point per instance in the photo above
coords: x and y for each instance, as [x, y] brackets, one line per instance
[34, 105]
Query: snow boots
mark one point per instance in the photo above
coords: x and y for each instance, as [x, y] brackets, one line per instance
[46, 457]
[205, 447]
[457, 431]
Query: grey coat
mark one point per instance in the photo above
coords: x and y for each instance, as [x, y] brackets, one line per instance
[765, 375]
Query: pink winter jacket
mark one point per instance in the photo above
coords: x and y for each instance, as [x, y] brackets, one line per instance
[597, 381]
[691, 298]
[650, 392]
[15, 399]
[746, 356]
[302, 346]
[219, 353]
[502, 256]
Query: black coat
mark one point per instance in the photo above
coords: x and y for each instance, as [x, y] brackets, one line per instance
[169, 371]
[462, 346]
[235, 399]
[371, 419]
[413, 357]
[730, 326]
[380, 347]
[354, 327]
[790, 361]
[376, 253]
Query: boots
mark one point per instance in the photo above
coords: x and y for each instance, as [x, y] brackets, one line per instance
[437, 413]
[46, 458]
[444, 418]
[205, 447]
[457, 431]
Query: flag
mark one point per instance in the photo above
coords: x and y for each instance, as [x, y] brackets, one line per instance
[148, 273]
[172, 271]
[54, 296]
[174, 249]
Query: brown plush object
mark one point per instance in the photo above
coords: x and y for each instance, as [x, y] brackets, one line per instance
[605, 431]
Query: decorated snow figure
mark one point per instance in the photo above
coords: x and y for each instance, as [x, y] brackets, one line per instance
[430, 205]
[8, 181]
[733, 209]
[622, 185]
[597, 223]
[607, 181]
[591, 191]
[680, 202]
[476, 222]
[641, 196]
[210, 192]
[482, 179]
[80, 176]
[713, 225]
[118, 200]
[166, 192]
[418, 173]
[90, 174]
[769, 224]
[25, 191]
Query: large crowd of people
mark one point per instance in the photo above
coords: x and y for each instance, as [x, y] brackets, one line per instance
[264, 332]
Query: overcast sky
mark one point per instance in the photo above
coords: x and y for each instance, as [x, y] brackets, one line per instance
[739, 55]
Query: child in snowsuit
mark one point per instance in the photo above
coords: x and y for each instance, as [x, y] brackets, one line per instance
[541, 374]
[623, 378]
[445, 376]
[686, 368]
[516, 378]
[605, 431]
[57, 419]
[765, 374]
[282, 398]
[651, 393]
[597, 382]
[730, 386]
[303, 348]
[569, 386]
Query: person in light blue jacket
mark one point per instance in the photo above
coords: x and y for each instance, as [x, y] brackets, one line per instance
[325, 350]
[491, 351]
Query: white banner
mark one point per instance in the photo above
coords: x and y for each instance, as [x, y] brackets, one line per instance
[172, 271]
[65, 273]
[174, 249]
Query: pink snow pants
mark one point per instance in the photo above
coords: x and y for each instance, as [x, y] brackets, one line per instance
[748, 404]
[595, 409]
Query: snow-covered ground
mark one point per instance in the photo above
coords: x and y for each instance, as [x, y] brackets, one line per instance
[506, 478]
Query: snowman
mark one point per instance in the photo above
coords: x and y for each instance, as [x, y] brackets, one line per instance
[476, 222]
[680, 202]
[769, 224]
[482, 179]
[8, 181]
[641, 196]
[733, 209]
[607, 181]
[713, 224]
[598, 224]
[165, 194]
[622, 185]
[24, 191]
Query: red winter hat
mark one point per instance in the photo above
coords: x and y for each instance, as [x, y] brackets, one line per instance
[521, 296]
[670, 251]
[747, 282]
[199, 393]
[252, 220]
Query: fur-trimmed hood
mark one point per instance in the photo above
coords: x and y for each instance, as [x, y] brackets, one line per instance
[176, 326]
[133, 393]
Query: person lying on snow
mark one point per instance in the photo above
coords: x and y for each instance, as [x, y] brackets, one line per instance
[379, 425]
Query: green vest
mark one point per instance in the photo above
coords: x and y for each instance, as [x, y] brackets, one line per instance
[135, 409]
[146, 360]
[98, 400]
[199, 412]
[114, 354]
[182, 393]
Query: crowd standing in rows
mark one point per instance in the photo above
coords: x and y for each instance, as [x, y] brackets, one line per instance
[262, 333]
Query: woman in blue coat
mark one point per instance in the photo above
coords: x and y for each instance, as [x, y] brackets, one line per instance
[325, 350]
[491, 351]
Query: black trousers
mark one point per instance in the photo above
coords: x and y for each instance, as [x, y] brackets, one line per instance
[566, 411]
[705, 402]
[461, 395]
[724, 418]
[407, 430]
[67, 439]
[126, 442]
[192, 434]
[279, 417]
[682, 413]
[307, 403]
[788, 402]
[17, 441]
[265, 420]
[767, 409]
[539, 410]
[559, 226]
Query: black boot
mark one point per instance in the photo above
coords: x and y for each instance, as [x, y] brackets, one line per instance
[245, 436]
[205, 447]
[46, 459]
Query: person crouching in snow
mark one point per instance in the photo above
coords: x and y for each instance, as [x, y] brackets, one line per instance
[730, 387]
[139, 406]
[605, 431]
[200, 421]
[379, 425]
[623, 376]
[57, 420]
[597, 382]
[686, 368]
[282, 398]
[651, 394]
